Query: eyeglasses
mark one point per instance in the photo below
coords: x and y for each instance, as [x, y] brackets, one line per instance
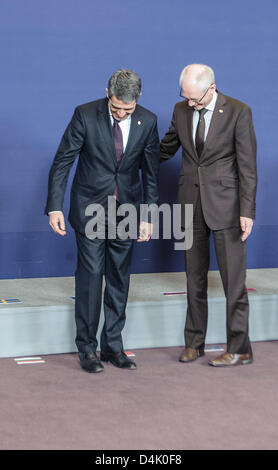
[197, 101]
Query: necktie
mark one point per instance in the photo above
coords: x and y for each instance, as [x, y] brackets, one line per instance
[118, 140]
[200, 132]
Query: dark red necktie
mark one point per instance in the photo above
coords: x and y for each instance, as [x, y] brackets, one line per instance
[118, 140]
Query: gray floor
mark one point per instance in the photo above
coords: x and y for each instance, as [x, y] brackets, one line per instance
[162, 405]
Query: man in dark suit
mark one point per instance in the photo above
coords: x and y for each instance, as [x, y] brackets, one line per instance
[114, 137]
[218, 176]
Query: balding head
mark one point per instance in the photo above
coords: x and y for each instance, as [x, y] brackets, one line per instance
[197, 74]
[195, 80]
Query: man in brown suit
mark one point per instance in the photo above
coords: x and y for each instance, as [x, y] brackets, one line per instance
[218, 177]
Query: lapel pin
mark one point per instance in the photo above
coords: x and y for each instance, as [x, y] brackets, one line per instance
[221, 111]
[139, 123]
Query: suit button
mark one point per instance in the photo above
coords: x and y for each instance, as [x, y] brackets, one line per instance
[196, 184]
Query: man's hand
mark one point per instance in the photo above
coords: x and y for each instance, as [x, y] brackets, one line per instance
[145, 232]
[57, 223]
[246, 225]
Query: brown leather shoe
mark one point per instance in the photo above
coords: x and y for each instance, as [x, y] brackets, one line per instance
[228, 359]
[190, 354]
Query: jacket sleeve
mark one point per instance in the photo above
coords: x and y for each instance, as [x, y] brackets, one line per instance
[246, 150]
[170, 142]
[70, 146]
[150, 167]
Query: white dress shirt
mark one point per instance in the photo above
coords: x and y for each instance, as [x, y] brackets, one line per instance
[210, 107]
[124, 125]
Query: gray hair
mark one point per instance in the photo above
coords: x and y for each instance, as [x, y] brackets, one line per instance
[126, 85]
[200, 74]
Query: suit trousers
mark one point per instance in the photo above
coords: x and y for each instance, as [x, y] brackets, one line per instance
[98, 258]
[231, 258]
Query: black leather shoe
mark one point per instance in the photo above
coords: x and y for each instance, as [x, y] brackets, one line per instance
[118, 359]
[90, 362]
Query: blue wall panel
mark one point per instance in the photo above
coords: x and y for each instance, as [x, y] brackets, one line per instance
[58, 54]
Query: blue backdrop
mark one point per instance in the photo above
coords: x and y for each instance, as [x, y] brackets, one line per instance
[60, 53]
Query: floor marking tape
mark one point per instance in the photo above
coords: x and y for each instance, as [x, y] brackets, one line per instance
[27, 358]
[174, 293]
[10, 301]
[130, 354]
[30, 362]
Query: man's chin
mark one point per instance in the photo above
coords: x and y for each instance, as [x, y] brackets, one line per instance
[119, 119]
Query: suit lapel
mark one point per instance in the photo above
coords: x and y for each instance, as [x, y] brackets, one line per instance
[189, 125]
[216, 117]
[135, 127]
[106, 129]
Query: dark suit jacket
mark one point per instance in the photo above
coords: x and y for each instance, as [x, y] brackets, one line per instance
[89, 134]
[225, 174]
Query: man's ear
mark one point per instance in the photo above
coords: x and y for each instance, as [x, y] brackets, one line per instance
[106, 89]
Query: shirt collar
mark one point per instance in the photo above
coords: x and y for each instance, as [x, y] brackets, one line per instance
[212, 103]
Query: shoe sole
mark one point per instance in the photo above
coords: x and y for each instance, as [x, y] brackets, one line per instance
[242, 363]
[92, 371]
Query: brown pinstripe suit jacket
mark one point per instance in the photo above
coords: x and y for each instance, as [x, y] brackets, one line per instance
[225, 174]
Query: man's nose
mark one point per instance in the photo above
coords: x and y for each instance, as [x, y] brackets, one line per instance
[121, 113]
